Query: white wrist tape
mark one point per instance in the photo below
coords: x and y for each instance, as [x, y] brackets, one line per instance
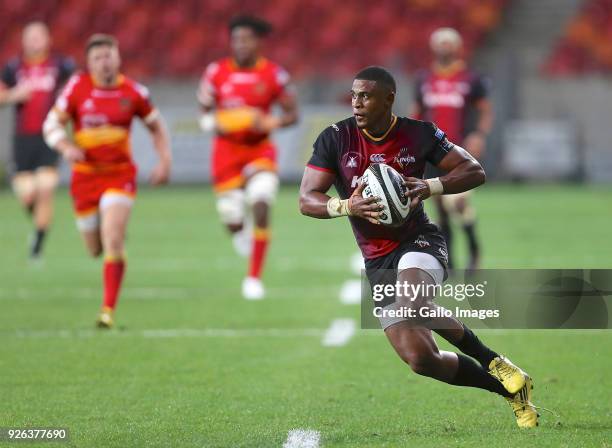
[338, 207]
[435, 186]
[208, 122]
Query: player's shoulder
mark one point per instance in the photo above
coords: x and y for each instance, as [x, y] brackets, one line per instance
[217, 66]
[13, 64]
[421, 75]
[135, 87]
[277, 71]
[341, 127]
[65, 63]
[337, 132]
[419, 127]
[78, 80]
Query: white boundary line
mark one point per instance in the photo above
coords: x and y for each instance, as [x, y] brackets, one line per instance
[302, 438]
[170, 333]
[339, 333]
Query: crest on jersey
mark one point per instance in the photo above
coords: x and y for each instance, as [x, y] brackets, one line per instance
[260, 88]
[88, 105]
[124, 103]
[351, 160]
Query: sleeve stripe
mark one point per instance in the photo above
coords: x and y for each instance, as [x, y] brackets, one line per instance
[320, 168]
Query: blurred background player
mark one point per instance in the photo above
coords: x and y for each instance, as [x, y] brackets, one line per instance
[31, 82]
[101, 104]
[236, 95]
[455, 98]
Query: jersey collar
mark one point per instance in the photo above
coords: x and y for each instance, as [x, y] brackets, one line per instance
[449, 70]
[382, 137]
[119, 82]
[259, 63]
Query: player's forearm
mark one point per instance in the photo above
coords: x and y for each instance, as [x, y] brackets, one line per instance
[288, 118]
[484, 123]
[161, 141]
[314, 204]
[7, 97]
[467, 175]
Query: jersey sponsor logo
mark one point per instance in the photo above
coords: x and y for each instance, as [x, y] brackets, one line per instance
[421, 242]
[42, 82]
[377, 158]
[444, 254]
[450, 99]
[447, 144]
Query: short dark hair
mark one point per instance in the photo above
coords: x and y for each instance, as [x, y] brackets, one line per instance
[378, 74]
[100, 40]
[259, 26]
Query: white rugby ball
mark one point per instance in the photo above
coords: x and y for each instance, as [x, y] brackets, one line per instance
[383, 181]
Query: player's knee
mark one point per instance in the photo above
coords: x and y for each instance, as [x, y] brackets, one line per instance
[24, 186]
[95, 251]
[113, 243]
[261, 187]
[46, 181]
[230, 206]
[468, 215]
[421, 362]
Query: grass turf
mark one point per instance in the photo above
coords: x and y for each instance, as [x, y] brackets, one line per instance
[195, 365]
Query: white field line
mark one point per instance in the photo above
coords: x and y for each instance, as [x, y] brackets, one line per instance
[302, 438]
[187, 264]
[339, 333]
[350, 293]
[170, 333]
[158, 293]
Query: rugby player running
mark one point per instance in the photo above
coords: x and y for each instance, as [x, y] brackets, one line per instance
[415, 252]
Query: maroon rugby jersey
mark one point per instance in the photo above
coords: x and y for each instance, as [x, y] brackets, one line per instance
[346, 151]
[448, 98]
[45, 77]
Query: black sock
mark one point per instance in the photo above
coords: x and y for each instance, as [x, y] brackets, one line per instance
[470, 374]
[37, 244]
[470, 232]
[472, 346]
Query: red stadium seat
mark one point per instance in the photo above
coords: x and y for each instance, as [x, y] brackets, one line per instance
[176, 39]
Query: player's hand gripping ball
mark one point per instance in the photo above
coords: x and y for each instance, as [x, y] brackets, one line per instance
[386, 183]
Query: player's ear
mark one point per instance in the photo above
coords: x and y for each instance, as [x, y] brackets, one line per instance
[390, 98]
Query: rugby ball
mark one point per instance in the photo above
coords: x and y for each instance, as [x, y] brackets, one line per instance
[383, 181]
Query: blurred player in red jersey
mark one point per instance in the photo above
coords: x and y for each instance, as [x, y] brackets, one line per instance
[236, 95]
[456, 99]
[31, 82]
[101, 105]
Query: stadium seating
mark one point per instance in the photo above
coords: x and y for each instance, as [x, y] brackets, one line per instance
[585, 47]
[176, 39]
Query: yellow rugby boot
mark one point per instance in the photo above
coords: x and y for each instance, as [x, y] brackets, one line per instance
[512, 377]
[524, 410]
[105, 318]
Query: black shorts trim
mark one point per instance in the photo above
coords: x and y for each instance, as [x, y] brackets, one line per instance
[30, 152]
